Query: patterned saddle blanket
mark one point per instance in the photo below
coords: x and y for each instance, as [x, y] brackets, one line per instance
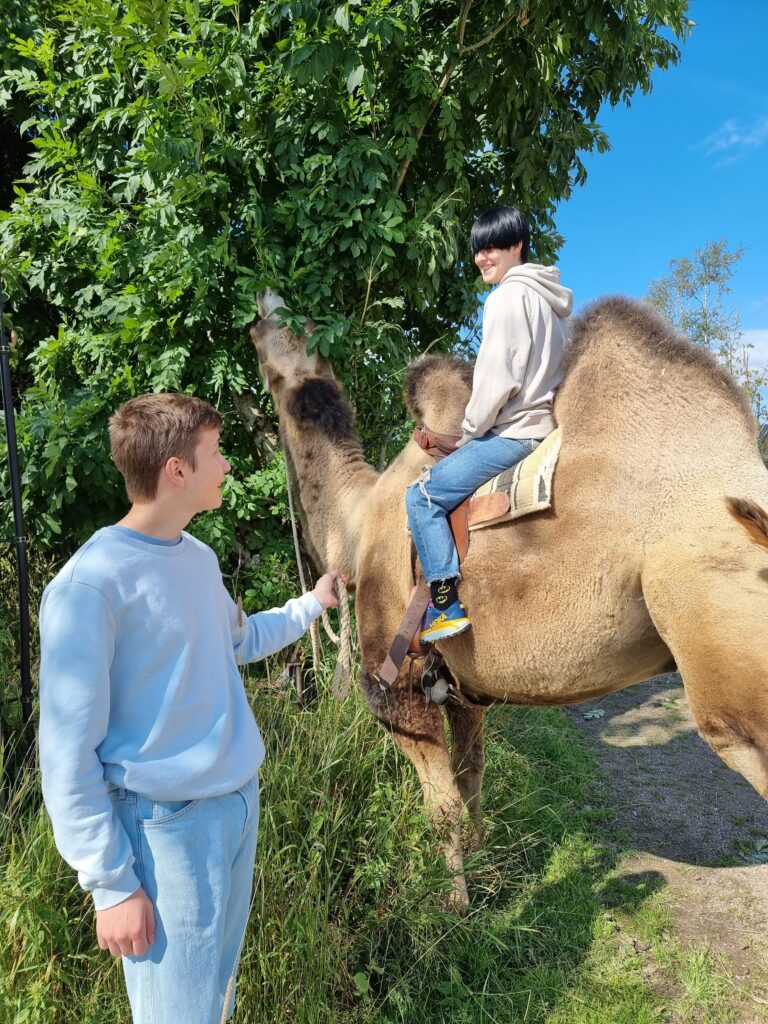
[525, 488]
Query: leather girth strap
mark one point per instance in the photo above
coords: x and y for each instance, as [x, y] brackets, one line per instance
[459, 520]
[406, 641]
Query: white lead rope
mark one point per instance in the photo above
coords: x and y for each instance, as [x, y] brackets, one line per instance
[342, 675]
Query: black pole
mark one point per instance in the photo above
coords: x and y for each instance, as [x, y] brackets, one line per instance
[18, 518]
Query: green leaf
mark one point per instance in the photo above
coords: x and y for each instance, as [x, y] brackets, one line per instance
[341, 17]
[51, 523]
[355, 77]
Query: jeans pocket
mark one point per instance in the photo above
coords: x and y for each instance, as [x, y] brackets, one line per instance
[154, 813]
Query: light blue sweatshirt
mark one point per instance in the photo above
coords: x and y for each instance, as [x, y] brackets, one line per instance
[139, 687]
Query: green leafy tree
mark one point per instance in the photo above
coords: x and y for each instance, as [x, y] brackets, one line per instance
[694, 296]
[184, 153]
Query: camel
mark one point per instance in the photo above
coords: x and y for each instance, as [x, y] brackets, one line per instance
[639, 566]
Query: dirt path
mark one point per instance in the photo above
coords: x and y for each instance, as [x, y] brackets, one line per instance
[693, 826]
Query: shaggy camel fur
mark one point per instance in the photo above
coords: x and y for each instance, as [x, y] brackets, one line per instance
[640, 565]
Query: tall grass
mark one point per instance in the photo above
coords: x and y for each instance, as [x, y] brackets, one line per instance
[347, 923]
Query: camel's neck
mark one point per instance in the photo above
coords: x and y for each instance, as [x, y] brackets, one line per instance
[331, 479]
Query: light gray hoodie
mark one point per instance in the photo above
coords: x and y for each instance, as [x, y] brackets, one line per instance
[519, 362]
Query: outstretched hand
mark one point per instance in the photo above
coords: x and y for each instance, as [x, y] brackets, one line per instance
[127, 929]
[325, 589]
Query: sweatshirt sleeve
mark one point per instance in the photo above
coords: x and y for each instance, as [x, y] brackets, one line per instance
[501, 361]
[264, 633]
[77, 631]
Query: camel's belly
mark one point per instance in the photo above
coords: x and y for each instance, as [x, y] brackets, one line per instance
[587, 634]
[567, 684]
[558, 677]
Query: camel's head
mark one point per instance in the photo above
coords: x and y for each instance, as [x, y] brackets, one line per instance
[437, 390]
[283, 359]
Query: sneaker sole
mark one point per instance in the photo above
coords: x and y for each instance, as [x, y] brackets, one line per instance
[443, 632]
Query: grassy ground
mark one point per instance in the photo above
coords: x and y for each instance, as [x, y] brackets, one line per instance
[347, 922]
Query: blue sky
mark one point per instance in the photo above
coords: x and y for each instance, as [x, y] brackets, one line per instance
[688, 165]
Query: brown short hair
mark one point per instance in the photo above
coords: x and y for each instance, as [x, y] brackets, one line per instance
[147, 431]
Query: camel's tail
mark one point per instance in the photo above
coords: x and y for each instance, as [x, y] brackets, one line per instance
[752, 517]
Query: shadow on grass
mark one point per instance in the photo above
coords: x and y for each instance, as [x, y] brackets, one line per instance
[630, 890]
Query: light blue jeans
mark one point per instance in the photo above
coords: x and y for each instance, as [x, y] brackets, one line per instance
[195, 861]
[445, 485]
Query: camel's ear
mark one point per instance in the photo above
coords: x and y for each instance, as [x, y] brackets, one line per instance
[309, 326]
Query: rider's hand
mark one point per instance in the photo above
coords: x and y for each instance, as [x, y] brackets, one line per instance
[128, 928]
[325, 591]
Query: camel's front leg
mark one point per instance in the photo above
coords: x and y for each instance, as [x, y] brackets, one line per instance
[468, 761]
[419, 731]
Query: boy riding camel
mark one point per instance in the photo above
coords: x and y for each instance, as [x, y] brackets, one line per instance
[517, 372]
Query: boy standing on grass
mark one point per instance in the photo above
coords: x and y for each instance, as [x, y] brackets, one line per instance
[148, 748]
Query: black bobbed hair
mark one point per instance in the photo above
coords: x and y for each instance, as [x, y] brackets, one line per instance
[501, 228]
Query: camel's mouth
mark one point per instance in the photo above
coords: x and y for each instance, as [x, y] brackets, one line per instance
[269, 301]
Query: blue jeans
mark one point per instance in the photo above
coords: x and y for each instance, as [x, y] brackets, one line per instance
[195, 861]
[444, 486]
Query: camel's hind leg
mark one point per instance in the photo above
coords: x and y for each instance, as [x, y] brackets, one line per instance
[711, 611]
[419, 732]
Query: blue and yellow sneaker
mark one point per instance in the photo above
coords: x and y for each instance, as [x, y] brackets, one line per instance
[439, 624]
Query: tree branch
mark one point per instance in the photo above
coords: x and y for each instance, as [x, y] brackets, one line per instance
[420, 131]
[499, 28]
[447, 72]
[463, 21]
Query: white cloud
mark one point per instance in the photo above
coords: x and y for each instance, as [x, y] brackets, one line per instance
[758, 337]
[734, 138]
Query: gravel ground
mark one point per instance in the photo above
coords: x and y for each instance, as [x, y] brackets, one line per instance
[689, 825]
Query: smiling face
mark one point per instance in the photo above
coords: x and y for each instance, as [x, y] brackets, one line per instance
[205, 479]
[494, 263]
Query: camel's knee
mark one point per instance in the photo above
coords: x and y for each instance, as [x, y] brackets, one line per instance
[444, 806]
